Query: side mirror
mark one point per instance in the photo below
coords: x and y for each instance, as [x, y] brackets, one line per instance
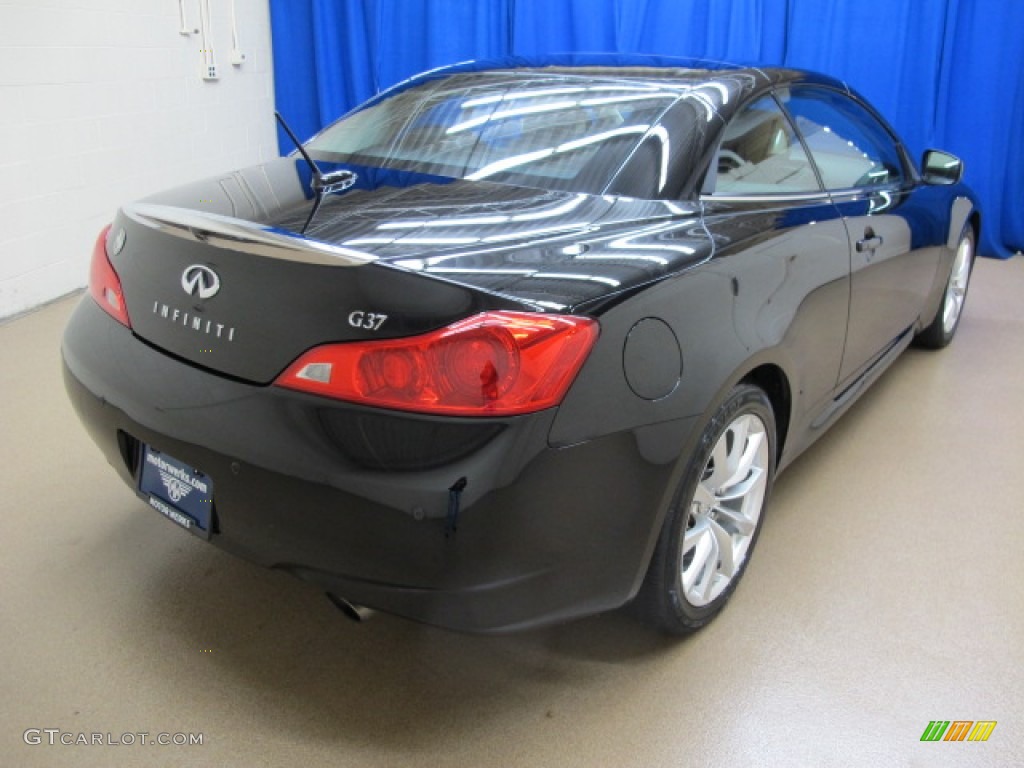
[939, 167]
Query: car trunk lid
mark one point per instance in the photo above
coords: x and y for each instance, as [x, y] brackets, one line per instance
[230, 283]
[245, 301]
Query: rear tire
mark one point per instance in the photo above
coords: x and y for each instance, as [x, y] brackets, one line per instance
[710, 531]
[947, 317]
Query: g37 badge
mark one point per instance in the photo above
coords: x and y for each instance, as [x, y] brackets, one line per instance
[368, 321]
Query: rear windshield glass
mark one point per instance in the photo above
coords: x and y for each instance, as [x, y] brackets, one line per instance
[561, 133]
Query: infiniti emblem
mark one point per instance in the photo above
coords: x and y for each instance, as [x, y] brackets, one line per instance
[200, 281]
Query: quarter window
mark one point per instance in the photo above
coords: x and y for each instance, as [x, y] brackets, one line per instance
[760, 154]
[850, 146]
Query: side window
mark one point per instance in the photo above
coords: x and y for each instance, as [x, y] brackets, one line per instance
[850, 146]
[760, 154]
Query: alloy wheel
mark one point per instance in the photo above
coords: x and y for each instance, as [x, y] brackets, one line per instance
[725, 510]
[957, 288]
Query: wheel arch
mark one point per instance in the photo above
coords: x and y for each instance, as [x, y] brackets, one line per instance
[773, 380]
[962, 212]
[975, 221]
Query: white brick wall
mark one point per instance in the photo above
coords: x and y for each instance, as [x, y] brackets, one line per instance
[101, 103]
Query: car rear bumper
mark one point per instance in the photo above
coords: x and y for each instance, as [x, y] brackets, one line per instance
[358, 501]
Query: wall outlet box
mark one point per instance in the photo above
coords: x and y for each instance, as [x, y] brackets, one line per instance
[207, 64]
[237, 58]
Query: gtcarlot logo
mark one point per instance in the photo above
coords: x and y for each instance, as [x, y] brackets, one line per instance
[958, 730]
[56, 736]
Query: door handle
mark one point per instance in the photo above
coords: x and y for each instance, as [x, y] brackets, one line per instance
[870, 242]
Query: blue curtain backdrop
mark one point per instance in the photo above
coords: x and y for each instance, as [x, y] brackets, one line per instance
[947, 73]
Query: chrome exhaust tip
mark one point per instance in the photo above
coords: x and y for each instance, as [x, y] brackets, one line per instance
[352, 611]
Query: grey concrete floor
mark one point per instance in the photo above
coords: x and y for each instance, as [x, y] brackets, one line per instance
[887, 591]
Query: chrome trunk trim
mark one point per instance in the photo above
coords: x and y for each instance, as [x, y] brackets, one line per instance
[245, 236]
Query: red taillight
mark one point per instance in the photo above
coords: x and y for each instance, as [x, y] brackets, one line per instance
[492, 364]
[104, 284]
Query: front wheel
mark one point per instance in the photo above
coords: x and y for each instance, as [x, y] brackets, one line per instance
[710, 532]
[947, 318]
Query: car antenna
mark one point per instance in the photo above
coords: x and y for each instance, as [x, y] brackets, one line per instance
[322, 183]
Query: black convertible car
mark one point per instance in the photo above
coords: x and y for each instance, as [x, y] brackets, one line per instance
[516, 342]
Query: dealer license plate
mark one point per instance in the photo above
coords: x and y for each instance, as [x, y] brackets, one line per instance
[181, 493]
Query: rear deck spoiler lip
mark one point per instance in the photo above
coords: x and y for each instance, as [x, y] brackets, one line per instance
[245, 236]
